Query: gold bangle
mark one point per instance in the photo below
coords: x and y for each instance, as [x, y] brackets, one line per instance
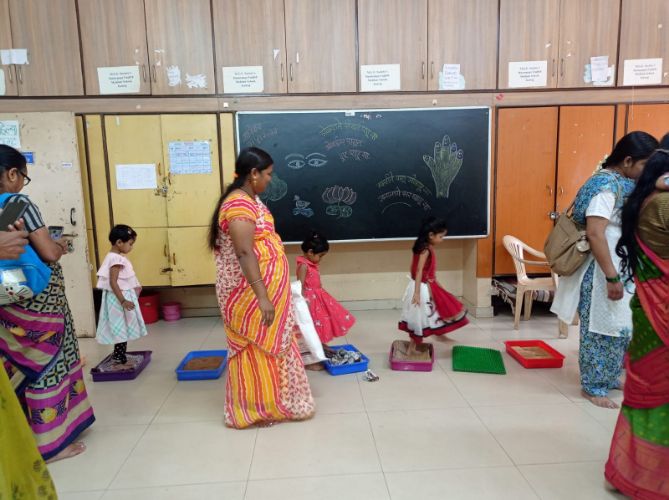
[256, 281]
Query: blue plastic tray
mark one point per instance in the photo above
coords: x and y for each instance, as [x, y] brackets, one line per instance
[360, 366]
[201, 374]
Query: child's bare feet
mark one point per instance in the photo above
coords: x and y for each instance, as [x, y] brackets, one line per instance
[601, 401]
[71, 451]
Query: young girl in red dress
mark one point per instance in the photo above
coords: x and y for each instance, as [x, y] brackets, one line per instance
[330, 318]
[428, 309]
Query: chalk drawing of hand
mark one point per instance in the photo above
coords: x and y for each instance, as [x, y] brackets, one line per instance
[276, 190]
[444, 165]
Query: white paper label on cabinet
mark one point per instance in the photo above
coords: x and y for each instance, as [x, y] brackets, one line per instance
[198, 81]
[10, 133]
[173, 76]
[136, 176]
[119, 80]
[243, 79]
[599, 69]
[14, 56]
[190, 157]
[450, 78]
[523, 74]
[380, 77]
[3, 91]
[642, 72]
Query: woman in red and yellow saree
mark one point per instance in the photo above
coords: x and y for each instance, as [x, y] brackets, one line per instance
[638, 463]
[266, 379]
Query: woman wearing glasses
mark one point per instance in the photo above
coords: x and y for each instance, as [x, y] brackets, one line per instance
[38, 346]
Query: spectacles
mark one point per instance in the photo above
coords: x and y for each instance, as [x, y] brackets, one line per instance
[26, 179]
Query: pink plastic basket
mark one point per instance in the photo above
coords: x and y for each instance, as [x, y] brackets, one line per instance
[171, 311]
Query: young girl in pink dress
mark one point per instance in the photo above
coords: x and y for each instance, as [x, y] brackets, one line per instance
[330, 318]
[428, 309]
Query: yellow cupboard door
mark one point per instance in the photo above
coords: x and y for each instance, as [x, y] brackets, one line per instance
[83, 163]
[192, 261]
[190, 149]
[150, 256]
[133, 146]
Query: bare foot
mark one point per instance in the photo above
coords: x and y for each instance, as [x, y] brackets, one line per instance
[619, 386]
[71, 451]
[601, 401]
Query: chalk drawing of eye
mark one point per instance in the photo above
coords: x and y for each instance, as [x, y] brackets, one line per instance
[295, 161]
[317, 160]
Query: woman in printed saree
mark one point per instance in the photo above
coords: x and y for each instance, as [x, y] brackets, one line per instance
[596, 290]
[38, 346]
[638, 463]
[266, 379]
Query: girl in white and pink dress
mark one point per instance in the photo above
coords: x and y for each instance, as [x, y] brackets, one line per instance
[120, 317]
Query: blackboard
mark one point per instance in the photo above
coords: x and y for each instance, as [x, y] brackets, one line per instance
[374, 174]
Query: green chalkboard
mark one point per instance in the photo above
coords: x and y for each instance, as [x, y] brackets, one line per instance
[374, 174]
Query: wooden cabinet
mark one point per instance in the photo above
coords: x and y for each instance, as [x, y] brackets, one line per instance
[8, 78]
[192, 260]
[151, 257]
[320, 45]
[180, 41]
[395, 32]
[463, 32]
[48, 30]
[113, 34]
[644, 34]
[564, 33]
[651, 118]
[236, 45]
[530, 184]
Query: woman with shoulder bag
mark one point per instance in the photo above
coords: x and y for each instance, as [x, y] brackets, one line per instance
[596, 290]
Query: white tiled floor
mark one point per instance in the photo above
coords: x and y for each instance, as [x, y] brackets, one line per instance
[439, 435]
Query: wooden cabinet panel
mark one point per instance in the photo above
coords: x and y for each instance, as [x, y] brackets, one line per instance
[136, 140]
[8, 75]
[320, 45]
[395, 32]
[191, 198]
[651, 118]
[180, 42]
[113, 33]
[463, 32]
[587, 29]
[525, 178]
[644, 33]
[528, 31]
[49, 31]
[586, 135]
[150, 256]
[236, 45]
[192, 261]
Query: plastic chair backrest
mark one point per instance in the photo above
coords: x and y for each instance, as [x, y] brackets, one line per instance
[515, 247]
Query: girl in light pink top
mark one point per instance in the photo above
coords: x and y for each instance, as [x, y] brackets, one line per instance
[120, 317]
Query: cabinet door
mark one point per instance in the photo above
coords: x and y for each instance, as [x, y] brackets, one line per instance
[136, 140]
[113, 33]
[180, 42]
[586, 135]
[85, 185]
[192, 260]
[7, 71]
[524, 193]
[644, 34]
[651, 118]
[190, 149]
[528, 31]
[150, 256]
[49, 31]
[463, 32]
[320, 45]
[587, 29]
[236, 45]
[395, 32]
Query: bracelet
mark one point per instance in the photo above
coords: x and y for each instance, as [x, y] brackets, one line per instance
[615, 279]
[256, 281]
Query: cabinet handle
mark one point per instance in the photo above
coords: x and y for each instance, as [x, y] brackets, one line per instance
[174, 259]
[290, 70]
[281, 71]
[165, 251]
[9, 72]
[553, 69]
[160, 169]
[561, 67]
[432, 70]
[19, 72]
[153, 73]
[550, 190]
[144, 72]
[422, 70]
[561, 191]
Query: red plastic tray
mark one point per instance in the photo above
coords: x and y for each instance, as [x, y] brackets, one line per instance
[555, 361]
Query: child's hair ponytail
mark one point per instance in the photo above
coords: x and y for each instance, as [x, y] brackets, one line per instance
[432, 225]
[123, 233]
[315, 242]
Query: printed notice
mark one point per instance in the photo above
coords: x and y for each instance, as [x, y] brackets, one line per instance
[642, 72]
[119, 80]
[380, 78]
[450, 78]
[525, 74]
[190, 157]
[599, 69]
[14, 56]
[136, 176]
[3, 90]
[243, 79]
[10, 133]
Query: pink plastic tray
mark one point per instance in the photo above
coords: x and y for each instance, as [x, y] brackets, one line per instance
[412, 366]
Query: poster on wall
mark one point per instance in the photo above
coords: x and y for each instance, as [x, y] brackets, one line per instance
[136, 176]
[10, 133]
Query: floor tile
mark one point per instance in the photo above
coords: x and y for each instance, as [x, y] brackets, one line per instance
[335, 394]
[350, 487]
[573, 481]
[81, 495]
[193, 401]
[224, 491]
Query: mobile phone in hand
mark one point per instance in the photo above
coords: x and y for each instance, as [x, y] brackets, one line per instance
[12, 212]
[56, 232]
